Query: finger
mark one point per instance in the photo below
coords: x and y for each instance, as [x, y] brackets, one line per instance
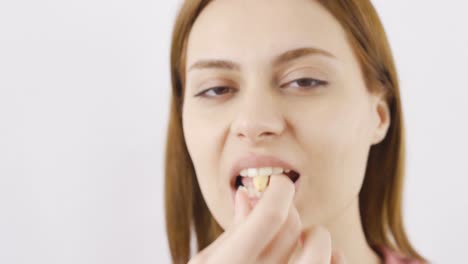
[286, 241]
[242, 205]
[338, 257]
[263, 223]
[242, 208]
[317, 246]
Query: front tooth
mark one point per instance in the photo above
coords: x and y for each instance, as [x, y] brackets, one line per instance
[252, 172]
[244, 173]
[287, 171]
[267, 171]
[277, 170]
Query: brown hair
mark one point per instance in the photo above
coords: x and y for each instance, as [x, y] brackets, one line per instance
[380, 198]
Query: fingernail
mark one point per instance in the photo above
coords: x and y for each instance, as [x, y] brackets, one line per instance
[243, 189]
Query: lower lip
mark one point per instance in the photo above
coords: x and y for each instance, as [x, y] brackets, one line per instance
[254, 200]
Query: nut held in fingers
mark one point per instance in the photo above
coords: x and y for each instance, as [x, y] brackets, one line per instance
[261, 182]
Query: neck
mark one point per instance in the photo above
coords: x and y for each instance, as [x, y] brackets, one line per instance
[347, 235]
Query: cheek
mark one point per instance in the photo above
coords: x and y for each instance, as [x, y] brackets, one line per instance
[196, 135]
[199, 133]
[203, 145]
[336, 143]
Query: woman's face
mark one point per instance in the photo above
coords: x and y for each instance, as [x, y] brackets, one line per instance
[289, 86]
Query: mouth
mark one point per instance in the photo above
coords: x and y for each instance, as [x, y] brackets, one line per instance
[255, 181]
[252, 173]
[245, 180]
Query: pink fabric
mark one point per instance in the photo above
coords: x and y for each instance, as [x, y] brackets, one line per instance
[392, 257]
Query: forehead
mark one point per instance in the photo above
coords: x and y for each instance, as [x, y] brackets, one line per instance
[249, 31]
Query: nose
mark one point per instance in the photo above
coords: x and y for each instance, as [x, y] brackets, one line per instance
[258, 118]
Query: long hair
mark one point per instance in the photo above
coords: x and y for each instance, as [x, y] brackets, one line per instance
[380, 198]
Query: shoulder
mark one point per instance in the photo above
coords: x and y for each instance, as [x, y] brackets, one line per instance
[392, 257]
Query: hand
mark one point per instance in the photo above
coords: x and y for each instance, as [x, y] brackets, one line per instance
[270, 233]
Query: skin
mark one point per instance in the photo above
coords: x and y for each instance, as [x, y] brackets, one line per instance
[323, 130]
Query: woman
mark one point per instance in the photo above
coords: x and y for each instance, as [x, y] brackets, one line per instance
[298, 95]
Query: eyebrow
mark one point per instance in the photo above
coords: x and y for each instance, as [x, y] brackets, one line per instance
[281, 59]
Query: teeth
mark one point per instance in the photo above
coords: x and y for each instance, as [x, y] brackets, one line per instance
[252, 172]
[260, 178]
[265, 171]
[277, 170]
[244, 173]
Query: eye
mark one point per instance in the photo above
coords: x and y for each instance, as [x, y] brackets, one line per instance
[214, 92]
[306, 83]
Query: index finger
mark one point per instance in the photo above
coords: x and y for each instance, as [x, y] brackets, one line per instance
[265, 220]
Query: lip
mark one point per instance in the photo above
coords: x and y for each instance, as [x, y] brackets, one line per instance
[256, 161]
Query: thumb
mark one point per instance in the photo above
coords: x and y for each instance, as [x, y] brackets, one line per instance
[242, 205]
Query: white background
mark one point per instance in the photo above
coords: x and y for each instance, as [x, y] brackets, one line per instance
[84, 93]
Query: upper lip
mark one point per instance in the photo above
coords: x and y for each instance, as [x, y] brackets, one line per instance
[257, 161]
